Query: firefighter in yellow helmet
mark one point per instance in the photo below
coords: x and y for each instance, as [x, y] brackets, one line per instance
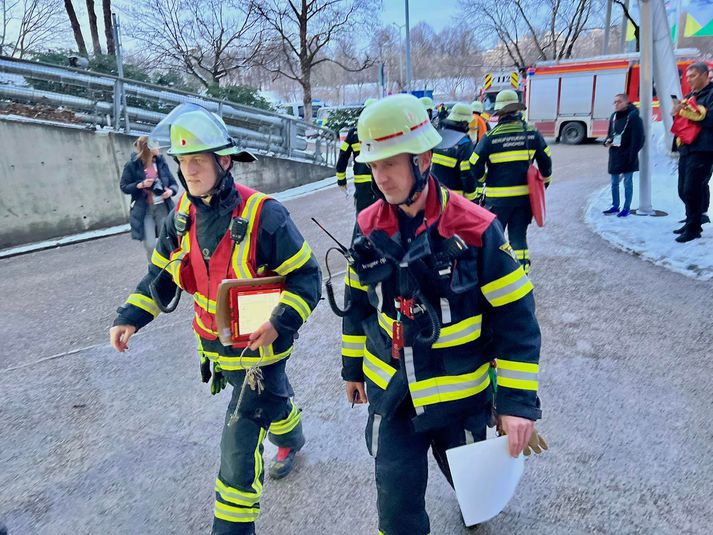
[451, 165]
[478, 125]
[428, 269]
[221, 229]
[363, 193]
[501, 160]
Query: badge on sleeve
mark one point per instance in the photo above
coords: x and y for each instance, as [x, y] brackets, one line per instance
[505, 248]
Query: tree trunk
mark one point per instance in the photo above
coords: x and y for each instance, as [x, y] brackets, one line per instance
[76, 28]
[306, 82]
[108, 28]
[96, 45]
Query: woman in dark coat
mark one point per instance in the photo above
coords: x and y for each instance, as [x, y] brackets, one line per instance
[149, 181]
[624, 139]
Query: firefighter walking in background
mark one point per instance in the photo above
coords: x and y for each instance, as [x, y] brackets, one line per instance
[427, 103]
[451, 165]
[478, 125]
[363, 193]
[505, 154]
[223, 230]
[434, 291]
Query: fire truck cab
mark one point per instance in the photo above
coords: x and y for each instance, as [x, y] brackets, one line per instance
[572, 100]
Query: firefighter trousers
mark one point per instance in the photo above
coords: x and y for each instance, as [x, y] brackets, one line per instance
[516, 219]
[694, 174]
[364, 196]
[401, 464]
[238, 486]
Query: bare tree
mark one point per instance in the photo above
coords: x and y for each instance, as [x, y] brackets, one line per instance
[301, 33]
[39, 23]
[96, 45]
[627, 15]
[108, 28]
[208, 39]
[531, 30]
[7, 15]
[76, 28]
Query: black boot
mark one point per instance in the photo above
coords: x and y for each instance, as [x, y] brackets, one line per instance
[680, 230]
[688, 235]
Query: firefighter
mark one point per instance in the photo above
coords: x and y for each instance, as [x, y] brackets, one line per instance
[451, 165]
[428, 104]
[363, 193]
[221, 229]
[434, 292]
[478, 125]
[506, 153]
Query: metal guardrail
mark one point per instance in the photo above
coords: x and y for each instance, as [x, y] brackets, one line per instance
[134, 108]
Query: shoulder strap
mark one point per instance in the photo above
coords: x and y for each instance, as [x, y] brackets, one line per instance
[181, 215]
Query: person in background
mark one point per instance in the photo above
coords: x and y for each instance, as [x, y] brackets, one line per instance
[625, 139]
[478, 126]
[151, 184]
[696, 158]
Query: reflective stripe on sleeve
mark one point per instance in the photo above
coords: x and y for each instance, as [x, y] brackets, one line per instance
[519, 375]
[144, 303]
[158, 260]
[297, 303]
[296, 261]
[507, 289]
[345, 146]
[353, 345]
[362, 179]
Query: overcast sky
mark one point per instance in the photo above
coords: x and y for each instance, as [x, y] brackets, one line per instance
[437, 14]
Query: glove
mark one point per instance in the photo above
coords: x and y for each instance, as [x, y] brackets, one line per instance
[536, 443]
[219, 381]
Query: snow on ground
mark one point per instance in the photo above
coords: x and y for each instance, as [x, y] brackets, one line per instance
[652, 237]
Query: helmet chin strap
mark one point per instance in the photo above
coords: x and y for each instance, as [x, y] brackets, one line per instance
[419, 182]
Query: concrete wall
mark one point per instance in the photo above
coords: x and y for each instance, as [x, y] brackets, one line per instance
[61, 180]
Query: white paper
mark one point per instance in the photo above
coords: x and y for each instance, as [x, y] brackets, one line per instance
[485, 477]
[255, 309]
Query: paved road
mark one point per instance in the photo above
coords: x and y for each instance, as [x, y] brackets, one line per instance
[96, 442]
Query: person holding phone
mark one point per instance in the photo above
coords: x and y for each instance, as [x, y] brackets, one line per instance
[625, 139]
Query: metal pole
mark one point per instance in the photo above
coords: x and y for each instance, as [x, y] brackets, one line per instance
[680, 28]
[645, 97]
[401, 59]
[409, 72]
[607, 26]
[120, 70]
[624, 26]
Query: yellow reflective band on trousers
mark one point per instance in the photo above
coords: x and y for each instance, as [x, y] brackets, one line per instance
[519, 375]
[241, 254]
[454, 335]
[238, 497]
[296, 261]
[283, 427]
[206, 304]
[445, 161]
[510, 191]
[353, 345]
[512, 156]
[144, 303]
[449, 387]
[295, 302]
[507, 289]
[351, 279]
[362, 179]
[377, 370]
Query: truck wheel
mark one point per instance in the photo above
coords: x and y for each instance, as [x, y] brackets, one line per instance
[573, 133]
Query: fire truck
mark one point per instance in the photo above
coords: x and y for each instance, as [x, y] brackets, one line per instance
[572, 100]
[494, 82]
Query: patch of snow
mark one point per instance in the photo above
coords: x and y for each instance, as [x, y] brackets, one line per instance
[652, 237]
